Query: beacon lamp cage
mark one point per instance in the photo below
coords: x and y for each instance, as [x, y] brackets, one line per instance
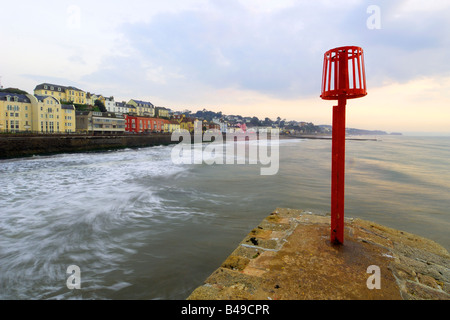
[343, 74]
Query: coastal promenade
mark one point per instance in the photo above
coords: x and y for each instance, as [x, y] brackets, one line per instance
[289, 257]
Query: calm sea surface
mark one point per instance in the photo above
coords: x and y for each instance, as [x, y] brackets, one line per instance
[141, 227]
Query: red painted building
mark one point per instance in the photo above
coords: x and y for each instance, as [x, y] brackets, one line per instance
[144, 124]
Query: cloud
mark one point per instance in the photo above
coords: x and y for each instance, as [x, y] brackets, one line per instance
[278, 50]
[228, 46]
[259, 53]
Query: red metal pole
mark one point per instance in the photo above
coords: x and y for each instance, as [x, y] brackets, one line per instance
[338, 173]
[336, 68]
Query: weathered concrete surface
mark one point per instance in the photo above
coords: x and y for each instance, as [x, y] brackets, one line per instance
[289, 257]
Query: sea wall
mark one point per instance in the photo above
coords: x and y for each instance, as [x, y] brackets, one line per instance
[288, 256]
[25, 146]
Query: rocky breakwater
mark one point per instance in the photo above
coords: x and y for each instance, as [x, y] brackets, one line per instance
[289, 257]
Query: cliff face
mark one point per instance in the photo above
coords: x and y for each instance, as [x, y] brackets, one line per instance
[289, 257]
[25, 146]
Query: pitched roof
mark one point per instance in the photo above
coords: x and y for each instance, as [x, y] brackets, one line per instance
[41, 98]
[49, 86]
[145, 103]
[73, 88]
[56, 87]
[20, 97]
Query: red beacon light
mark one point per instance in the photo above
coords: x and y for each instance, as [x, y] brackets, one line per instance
[343, 78]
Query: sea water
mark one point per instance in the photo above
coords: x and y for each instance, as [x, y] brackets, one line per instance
[139, 226]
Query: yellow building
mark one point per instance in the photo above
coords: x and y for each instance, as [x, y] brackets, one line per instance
[75, 95]
[161, 112]
[143, 108]
[70, 119]
[187, 124]
[15, 112]
[62, 93]
[47, 114]
[47, 89]
[29, 113]
[171, 126]
[92, 97]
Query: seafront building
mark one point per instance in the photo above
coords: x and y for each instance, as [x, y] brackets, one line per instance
[50, 116]
[138, 124]
[99, 122]
[65, 109]
[15, 112]
[171, 126]
[35, 113]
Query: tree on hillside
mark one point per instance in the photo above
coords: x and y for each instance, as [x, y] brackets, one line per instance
[13, 90]
[254, 121]
[267, 122]
[100, 105]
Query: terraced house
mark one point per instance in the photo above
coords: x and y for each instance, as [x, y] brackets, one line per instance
[145, 124]
[62, 93]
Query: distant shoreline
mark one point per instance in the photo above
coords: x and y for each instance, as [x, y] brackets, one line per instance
[323, 137]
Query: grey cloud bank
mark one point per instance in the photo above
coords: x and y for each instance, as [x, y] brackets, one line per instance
[279, 53]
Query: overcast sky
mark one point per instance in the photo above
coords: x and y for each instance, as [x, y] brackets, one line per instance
[247, 57]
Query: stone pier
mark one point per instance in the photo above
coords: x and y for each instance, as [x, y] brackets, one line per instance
[289, 257]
